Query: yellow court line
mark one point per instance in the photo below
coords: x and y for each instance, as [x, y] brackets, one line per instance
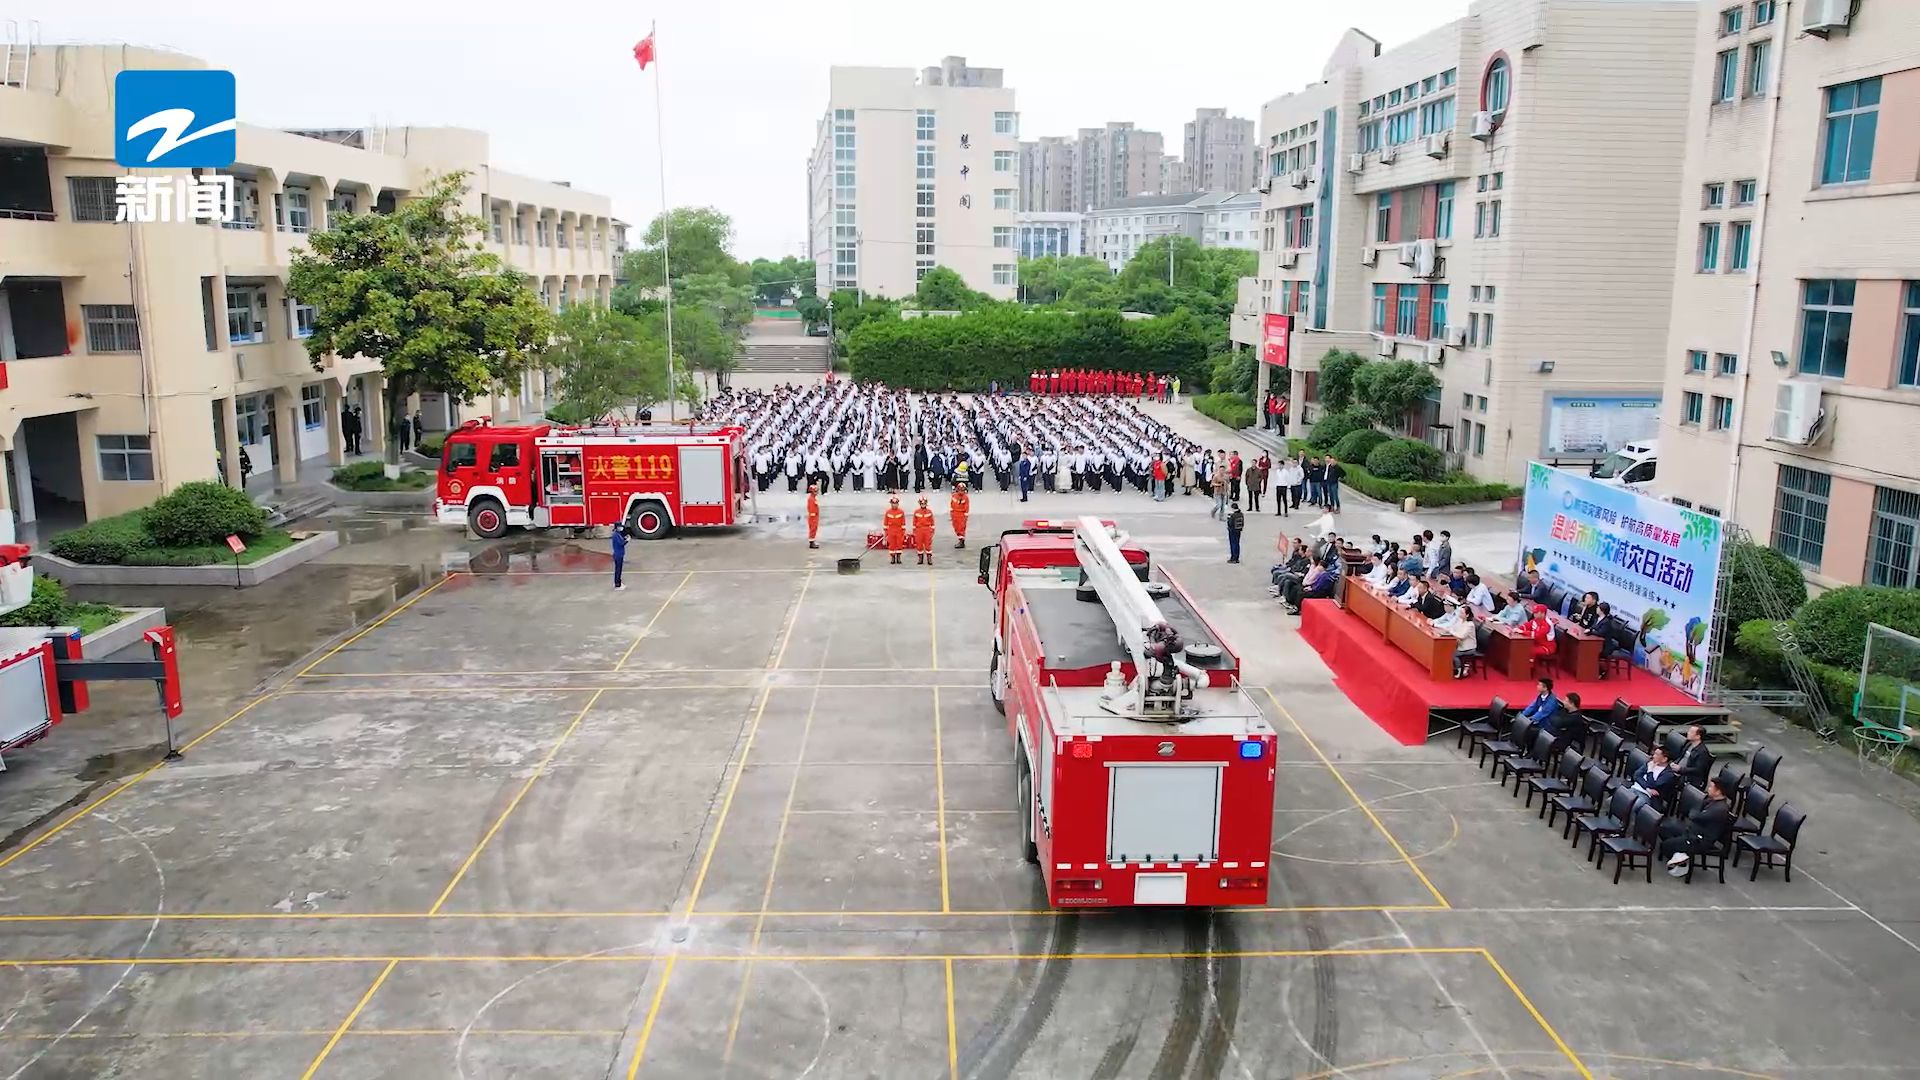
[647, 629]
[953, 1038]
[375, 624]
[348, 1022]
[734, 958]
[1358, 801]
[792, 621]
[130, 781]
[726, 804]
[1521, 997]
[653, 1013]
[513, 804]
[940, 803]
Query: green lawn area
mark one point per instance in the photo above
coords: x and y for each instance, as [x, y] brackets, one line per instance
[372, 476]
[92, 617]
[50, 607]
[258, 547]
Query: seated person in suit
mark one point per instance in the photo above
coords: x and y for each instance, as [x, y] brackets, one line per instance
[1587, 613]
[1657, 780]
[1696, 760]
[1703, 831]
[1317, 585]
[1609, 630]
[1536, 588]
[1400, 583]
[1377, 572]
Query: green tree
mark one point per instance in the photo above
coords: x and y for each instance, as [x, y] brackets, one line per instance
[415, 289]
[775, 282]
[701, 342]
[1336, 383]
[942, 289]
[812, 310]
[607, 360]
[1049, 280]
[701, 243]
[1392, 388]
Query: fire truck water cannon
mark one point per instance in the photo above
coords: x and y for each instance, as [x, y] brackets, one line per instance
[1163, 680]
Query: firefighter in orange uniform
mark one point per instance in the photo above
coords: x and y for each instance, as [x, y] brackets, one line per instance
[923, 532]
[813, 515]
[895, 524]
[958, 505]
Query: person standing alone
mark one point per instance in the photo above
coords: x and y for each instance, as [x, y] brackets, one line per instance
[619, 554]
[1236, 521]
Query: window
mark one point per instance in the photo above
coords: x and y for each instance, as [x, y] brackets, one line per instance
[1762, 12]
[312, 407]
[1691, 406]
[1489, 294]
[1713, 196]
[1427, 84]
[923, 238]
[1853, 115]
[1393, 97]
[1003, 198]
[1758, 55]
[1739, 246]
[1003, 236]
[242, 327]
[1709, 257]
[920, 268]
[499, 226]
[922, 163]
[1003, 273]
[1448, 77]
[1894, 539]
[1306, 225]
[1438, 314]
[1479, 219]
[1499, 180]
[923, 200]
[1480, 403]
[1726, 75]
[1383, 217]
[519, 229]
[94, 198]
[1379, 309]
[1730, 21]
[1909, 369]
[1473, 328]
[1800, 514]
[302, 320]
[923, 125]
[1480, 182]
[1406, 311]
[111, 328]
[1370, 136]
[1826, 324]
[1493, 218]
[1486, 333]
[1003, 161]
[1400, 127]
[1721, 417]
[1726, 363]
[503, 455]
[1436, 117]
[1443, 210]
[1473, 294]
[125, 457]
[1743, 191]
[299, 212]
[1697, 361]
[1466, 400]
[1005, 124]
[1494, 94]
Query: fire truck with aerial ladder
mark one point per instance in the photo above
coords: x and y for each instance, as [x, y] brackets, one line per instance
[1145, 770]
[653, 478]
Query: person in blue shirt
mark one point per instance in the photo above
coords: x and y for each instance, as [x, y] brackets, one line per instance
[1024, 472]
[1544, 707]
[619, 554]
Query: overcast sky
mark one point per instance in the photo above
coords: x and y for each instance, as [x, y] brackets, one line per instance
[555, 84]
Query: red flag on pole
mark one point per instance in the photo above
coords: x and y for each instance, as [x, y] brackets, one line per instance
[643, 52]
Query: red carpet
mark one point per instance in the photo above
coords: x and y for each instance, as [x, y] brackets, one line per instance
[1396, 693]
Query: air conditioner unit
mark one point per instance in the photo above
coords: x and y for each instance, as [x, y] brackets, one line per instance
[1797, 416]
[1265, 185]
[1388, 153]
[1483, 126]
[1432, 354]
[1384, 346]
[1457, 336]
[1299, 178]
[1426, 259]
[1410, 253]
[1356, 162]
[1822, 17]
[1437, 144]
[1369, 255]
[1288, 258]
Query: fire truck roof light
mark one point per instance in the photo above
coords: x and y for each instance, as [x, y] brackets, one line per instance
[1251, 750]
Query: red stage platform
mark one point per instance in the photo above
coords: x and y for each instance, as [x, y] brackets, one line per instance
[1397, 693]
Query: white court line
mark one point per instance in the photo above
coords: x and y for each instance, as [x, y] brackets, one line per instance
[1654, 909]
[1871, 917]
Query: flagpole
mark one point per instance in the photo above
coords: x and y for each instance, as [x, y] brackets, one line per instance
[666, 221]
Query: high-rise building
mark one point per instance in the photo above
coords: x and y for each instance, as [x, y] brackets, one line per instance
[1219, 153]
[1792, 357]
[138, 355]
[1496, 199]
[1047, 175]
[913, 171]
[1175, 179]
[1118, 161]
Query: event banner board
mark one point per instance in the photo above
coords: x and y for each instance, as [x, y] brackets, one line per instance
[1595, 426]
[1274, 338]
[1657, 564]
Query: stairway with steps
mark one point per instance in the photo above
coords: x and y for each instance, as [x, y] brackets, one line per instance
[782, 347]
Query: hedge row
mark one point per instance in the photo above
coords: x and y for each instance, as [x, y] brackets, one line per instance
[186, 527]
[1434, 493]
[1760, 647]
[1004, 343]
[1230, 409]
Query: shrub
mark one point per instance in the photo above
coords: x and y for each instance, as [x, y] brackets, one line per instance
[1230, 409]
[1750, 561]
[1760, 646]
[562, 412]
[430, 445]
[104, 542]
[49, 603]
[372, 476]
[1832, 627]
[1334, 426]
[1356, 445]
[202, 512]
[1406, 459]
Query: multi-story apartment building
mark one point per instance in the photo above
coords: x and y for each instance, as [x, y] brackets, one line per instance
[1115, 162]
[1175, 179]
[913, 171]
[1494, 198]
[1792, 360]
[1219, 153]
[1045, 233]
[137, 356]
[1047, 176]
[1212, 219]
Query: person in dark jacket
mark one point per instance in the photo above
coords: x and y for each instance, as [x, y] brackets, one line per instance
[1657, 780]
[1704, 831]
[1696, 761]
[1236, 523]
[619, 554]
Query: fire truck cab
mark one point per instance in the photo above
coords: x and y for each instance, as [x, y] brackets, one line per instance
[1145, 770]
[654, 478]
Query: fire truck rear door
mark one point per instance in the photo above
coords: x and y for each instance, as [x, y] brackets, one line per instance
[703, 485]
[1163, 812]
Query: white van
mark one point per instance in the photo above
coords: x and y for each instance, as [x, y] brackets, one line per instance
[1631, 467]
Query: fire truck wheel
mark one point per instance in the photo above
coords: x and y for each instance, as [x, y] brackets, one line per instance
[649, 522]
[489, 519]
[1029, 850]
[996, 687]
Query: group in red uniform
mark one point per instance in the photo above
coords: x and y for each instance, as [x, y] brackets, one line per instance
[1056, 381]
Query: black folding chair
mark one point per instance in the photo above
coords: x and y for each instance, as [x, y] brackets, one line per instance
[1689, 802]
[1608, 748]
[1634, 848]
[1560, 780]
[1714, 859]
[1616, 660]
[1753, 812]
[1588, 800]
[1733, 784]
[1646, 728]
[1776, 848]
[1486, 727]
[1522, 750]
[1616, 820]
[1675, 742]
[1516, 740]
[1765, 764]
[1540, 755]
[1631, 763]
[1620, 717]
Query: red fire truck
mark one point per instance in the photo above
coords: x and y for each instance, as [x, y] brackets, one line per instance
[654, 477]
[1146, 772]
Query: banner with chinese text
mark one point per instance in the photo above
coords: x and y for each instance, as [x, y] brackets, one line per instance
[1655, 563]
[1274, 332]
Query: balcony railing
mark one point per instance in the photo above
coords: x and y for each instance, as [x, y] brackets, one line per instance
[28, 215]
